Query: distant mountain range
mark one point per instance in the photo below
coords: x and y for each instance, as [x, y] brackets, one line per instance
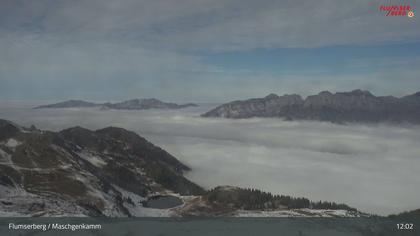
[115, 172]
[340, 107]
[140, 104]
[70, 104]
[133, 104]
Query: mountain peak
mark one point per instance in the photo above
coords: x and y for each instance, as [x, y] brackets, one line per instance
[325, 93]
[360, 92]
[69, 104]
[76, 129]
[8, 129]
[5, 122]
[415, 94]
[271, 96]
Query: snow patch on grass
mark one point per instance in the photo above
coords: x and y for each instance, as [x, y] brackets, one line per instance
[93, 159]
[298, 213]
[12, 143]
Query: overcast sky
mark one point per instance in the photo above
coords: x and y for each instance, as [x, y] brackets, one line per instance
[203, 50]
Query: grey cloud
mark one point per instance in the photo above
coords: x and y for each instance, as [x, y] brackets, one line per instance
[214, 25]
[104, 49]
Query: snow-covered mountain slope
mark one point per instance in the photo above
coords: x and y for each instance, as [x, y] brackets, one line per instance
[83, 172]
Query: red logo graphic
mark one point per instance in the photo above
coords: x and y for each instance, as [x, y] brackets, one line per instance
[394, 10]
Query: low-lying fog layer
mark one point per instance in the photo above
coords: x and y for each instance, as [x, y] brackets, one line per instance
[372, 167]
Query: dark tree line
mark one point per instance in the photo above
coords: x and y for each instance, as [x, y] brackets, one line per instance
[253, 199]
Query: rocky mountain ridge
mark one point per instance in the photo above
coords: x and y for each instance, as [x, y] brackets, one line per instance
[133, 104]
[340, 107]
[149, 103]
[82, 172]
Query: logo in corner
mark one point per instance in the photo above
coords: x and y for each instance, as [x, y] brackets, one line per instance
[410, 14]
[397, 10]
